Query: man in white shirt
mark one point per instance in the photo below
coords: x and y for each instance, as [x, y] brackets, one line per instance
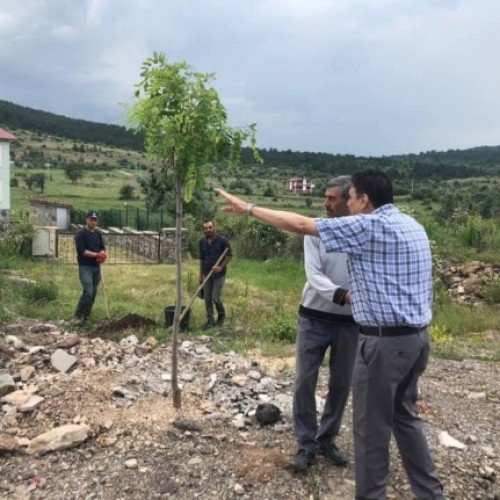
[325, 321]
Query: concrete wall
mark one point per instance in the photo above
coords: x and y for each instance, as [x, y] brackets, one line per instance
[42, 214]
[4, 184]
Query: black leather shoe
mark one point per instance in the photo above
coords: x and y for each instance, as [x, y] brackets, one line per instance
[301, 461]
[220, 320]
[333, 454]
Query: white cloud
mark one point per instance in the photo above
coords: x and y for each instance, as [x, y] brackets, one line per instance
[354, 76]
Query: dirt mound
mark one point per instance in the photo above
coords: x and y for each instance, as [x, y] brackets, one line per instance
[128, 322]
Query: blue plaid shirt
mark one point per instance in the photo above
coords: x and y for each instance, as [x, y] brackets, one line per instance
[390, 266]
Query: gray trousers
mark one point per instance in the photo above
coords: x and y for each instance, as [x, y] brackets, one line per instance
[385, 383]
[314, 337]
[212, 292]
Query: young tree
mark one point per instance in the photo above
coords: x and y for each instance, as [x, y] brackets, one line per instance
[185, 128]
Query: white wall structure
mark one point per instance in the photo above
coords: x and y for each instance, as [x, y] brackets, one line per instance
[5, 140]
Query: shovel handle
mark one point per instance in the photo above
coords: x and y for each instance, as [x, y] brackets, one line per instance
[202, 284]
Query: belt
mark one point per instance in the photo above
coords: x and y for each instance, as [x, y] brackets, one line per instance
[390, 331]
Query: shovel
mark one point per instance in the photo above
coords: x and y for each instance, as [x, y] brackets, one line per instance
[105, 295]
[202, 284]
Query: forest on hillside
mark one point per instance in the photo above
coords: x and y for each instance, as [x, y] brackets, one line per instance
[425, 166]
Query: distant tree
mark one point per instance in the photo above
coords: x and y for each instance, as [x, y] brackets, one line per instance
[126, 192]
[29, 181]
[269, 192]
[39, 181]
[74, 172]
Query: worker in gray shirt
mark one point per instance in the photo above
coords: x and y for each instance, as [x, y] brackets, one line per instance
[325, 321]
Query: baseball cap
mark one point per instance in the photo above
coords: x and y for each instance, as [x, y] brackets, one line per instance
[93, 214]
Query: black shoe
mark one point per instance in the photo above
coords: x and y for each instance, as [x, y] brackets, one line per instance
[220, 320]
[208, 325]
[333, 454]
[301, 461]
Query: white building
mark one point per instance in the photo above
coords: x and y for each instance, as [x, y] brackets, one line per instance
[5, 139]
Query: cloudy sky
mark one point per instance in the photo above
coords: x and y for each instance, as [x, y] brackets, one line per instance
[367, 77]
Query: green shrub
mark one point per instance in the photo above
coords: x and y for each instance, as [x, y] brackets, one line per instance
[45, 291]
[261, 242]
[492, 291]
[16, 242]
[282, 329]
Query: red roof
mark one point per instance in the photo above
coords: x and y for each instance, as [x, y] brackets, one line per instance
[5, 136]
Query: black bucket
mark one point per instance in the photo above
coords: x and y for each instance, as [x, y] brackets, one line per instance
[169, 317]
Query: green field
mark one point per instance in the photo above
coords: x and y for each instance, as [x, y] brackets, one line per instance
[262, 295]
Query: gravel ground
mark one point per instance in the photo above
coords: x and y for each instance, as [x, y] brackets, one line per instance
[143, 448]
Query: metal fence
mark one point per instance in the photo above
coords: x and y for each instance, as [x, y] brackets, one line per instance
[127, 248]
[138, 218]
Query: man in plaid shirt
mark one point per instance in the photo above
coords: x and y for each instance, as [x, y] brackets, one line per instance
[390, 269]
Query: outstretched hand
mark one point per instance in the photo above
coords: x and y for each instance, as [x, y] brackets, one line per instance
[236, 205]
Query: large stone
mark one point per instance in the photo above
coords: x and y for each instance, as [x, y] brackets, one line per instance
[7, 384]
[27, 372]
[267, 414]
[68, 341]
[60, 438]
[31, 404]
[62, 361]
[7, 443]
[19, 398]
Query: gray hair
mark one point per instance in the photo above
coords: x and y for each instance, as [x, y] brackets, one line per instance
[343, 182]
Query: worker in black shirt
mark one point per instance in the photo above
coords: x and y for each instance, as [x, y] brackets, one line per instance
[90, 253]
[212, 247]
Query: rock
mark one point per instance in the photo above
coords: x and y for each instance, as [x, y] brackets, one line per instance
[31, 404]
[472, 267]
[68, 341]
[239, 380]
[62, 361]
[254, 375]
[187, 377]
[7, 444]
[211, 383]
[487, 472]
[267, 414]
[60, 438]
[130, 340]
[239, 421]
[489, 452]
[27, 372]
[131, 463]
[476, 395]
[186, 425]
[7, 384]
[239, 489]
[14, 342]
[472, 284]
[195, 461]
[19, 398]
[152, 342]
[450, 442]
[123, 393]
